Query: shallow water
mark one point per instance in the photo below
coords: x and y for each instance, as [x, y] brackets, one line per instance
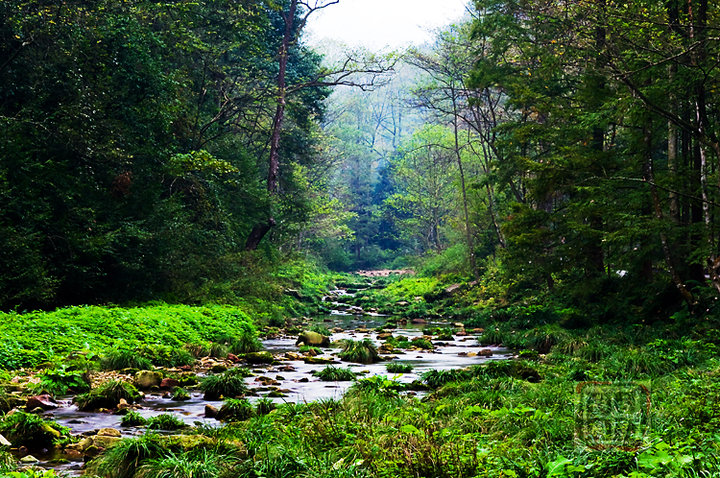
[292, 377]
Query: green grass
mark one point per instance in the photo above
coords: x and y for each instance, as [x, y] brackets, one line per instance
[229, 384]
[165, 421]
[335, 374]
[396, 367]
[359, 351]
[133, 419]
[236, 410]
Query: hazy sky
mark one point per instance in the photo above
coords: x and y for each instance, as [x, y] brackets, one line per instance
[376, 24]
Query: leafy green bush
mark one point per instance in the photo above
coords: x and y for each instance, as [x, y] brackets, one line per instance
[363, 351]
[107, 395]
[180, 394]
[335, 374]
[61, 381]
[247, 340]
[378, 384]
[33, 338]
[422, 343]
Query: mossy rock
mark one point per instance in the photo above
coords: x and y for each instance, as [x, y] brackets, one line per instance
[146, 379]
[259, 358]
[314, 339]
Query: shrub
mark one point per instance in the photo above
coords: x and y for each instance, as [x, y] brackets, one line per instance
[108, 395]
[335, 374]
[165, 355]
[396, 367]
[363, 351]
[26, 429]
[61, 381]
[198, 349]
[235, 410]
[378, 384]
[507, 368]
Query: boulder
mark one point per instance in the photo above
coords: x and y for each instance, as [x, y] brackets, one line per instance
[308, 337]
[45, 402]
[146, 379]
[385, 336]
[259, 357]
[29, 459]
[102, 441]
[124, 405]
[4, 441]
[485, 353]
[168, 383]
[419, 321]
[210, 411]
[109, 432]
[318, 360]
[233, 358]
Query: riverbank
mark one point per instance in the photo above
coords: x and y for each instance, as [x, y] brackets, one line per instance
[606, 401]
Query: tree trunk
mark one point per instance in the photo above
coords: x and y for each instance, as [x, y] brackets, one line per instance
[649, 177]
[261, 229]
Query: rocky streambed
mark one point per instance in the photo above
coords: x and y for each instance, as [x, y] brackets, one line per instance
[287, 376]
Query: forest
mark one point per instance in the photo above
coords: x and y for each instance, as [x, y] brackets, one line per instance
[228, 251]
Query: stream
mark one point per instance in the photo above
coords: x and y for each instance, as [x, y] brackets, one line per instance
[291, 376]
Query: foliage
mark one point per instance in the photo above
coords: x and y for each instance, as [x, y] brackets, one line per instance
[25, 429]
[201, 463]
[107, 395]
[130, 337]
[133, 419]
[122, 460]
[335, 374]
[363, 351]
[236, 409]
[165, 421]
[61, 381]
[396, 367]
[229, 384]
